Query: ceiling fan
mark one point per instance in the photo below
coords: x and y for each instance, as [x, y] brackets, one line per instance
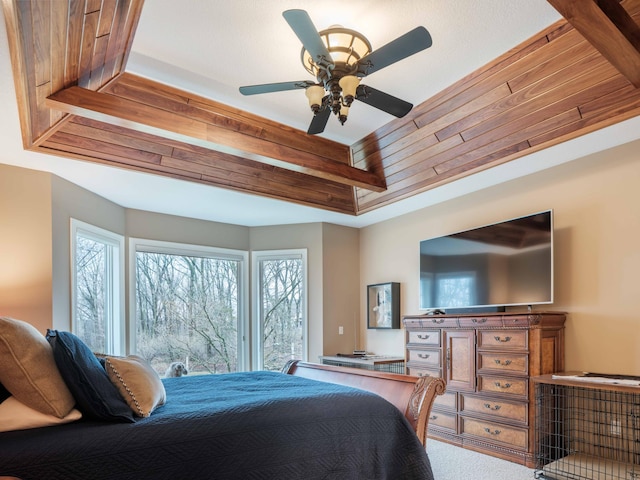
[338, 58]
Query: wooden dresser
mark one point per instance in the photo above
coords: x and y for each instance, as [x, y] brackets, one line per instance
[487, 361]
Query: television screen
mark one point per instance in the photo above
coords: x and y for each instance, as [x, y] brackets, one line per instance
[504, 264]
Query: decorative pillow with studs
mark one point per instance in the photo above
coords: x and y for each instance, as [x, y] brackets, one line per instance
[138, 383]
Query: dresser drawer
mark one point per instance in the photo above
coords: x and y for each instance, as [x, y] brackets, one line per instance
[519, 321]
[426, 358]
[515, 411]
[424, 337]
[512, 386]
[514, 437]
[503, 339]
[430, 321]
[443, 420]
[479, 322]
[503, 362]
[423, 372]
[448, 400]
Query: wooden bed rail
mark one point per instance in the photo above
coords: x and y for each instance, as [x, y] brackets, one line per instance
[413, 396]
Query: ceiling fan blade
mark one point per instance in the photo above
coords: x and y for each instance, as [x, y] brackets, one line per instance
[319, 121]
[274, 87]
[303, 27]
[383, 101]
[402, 47]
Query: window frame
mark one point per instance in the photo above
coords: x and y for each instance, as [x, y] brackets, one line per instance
[257, 348]
[174, 248]
[115, 311]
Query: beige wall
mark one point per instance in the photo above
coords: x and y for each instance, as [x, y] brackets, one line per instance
[25, 246]
[341, 275]
[596, 204]
[170, 228]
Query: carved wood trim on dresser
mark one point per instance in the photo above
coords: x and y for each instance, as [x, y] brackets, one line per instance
[487, 361]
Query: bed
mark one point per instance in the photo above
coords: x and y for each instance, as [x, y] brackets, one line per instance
[306, 422]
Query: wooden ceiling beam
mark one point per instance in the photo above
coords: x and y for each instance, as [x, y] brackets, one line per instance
[609, 28]
[148, 119]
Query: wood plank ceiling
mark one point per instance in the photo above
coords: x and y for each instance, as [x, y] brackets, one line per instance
[76, 101]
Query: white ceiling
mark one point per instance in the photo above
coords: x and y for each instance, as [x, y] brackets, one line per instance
[212, 47]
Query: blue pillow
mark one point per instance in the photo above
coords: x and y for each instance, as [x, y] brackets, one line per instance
[95, 395]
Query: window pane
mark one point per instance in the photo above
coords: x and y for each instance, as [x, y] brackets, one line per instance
[282, 290]
[187, 310]
[98, 287]
[91, 293]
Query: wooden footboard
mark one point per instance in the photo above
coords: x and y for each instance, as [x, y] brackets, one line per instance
[413, 396]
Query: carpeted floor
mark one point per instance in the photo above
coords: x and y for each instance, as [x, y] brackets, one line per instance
[454, 463]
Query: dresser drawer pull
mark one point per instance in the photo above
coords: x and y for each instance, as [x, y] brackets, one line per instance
[437, 320]
[504, 364]
[423, 337]
[500, 385]
[420, 374]
[495, 432]
[423, 355]
[489, 407]
[498, 339]
[478, 320]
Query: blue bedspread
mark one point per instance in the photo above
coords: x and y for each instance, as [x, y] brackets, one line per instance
[252, 425]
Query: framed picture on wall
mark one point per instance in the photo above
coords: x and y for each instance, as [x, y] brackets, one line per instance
[383, 305]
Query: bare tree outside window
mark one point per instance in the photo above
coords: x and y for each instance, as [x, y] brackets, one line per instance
[187, 310]
[282, 311]
[188, 303]
[97, 277]
[90, 292]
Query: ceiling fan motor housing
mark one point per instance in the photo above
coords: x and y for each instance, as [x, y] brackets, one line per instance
[330, 78]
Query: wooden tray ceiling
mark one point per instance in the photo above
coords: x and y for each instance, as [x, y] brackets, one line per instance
[75, 100]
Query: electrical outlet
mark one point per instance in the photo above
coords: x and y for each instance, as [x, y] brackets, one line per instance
[340, 330]
[615, 428]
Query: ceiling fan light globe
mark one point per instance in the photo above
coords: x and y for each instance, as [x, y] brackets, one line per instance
[344, 113]
[349, 84]
[314, 94]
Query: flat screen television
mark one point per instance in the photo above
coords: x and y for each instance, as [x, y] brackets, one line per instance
[488, 268]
